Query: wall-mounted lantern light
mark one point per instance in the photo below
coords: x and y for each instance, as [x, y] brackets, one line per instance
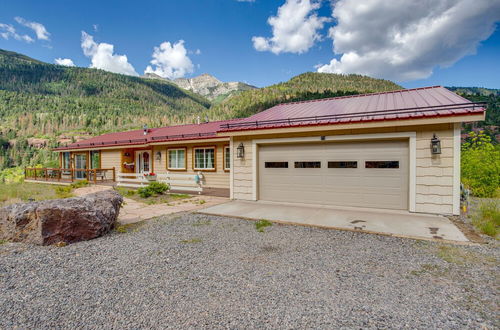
[240, 151]
[435, 145]
[158, 156]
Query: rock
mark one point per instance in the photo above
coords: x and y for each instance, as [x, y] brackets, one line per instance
[60, 221]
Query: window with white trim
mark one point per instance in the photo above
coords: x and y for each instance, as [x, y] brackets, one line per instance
[177, 159]
[204, 158]
[227, 158]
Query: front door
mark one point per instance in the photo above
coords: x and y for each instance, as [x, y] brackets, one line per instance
[143, 161]
[80, 164]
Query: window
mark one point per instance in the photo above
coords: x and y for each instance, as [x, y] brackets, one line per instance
[66, 160]
[382, 164]
[176, 159]
[204, 158]
[227, 158]
[276, 164]
[342, 164]
[307, 164]
[95, 159]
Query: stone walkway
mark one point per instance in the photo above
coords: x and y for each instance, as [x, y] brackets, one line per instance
[134, 211]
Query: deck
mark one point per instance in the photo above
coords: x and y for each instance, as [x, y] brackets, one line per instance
[66, 176]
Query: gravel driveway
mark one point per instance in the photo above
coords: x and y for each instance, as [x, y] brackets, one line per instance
[198, 271]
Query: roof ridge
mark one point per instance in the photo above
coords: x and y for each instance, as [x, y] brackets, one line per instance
[359, 95]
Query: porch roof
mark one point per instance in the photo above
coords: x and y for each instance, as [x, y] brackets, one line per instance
[205, 130]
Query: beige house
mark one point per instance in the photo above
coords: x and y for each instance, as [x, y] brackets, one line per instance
[395, 150]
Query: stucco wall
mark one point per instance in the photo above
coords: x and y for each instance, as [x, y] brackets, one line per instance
[434, 174]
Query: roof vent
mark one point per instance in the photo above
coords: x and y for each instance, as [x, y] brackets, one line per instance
[145, 127]
[198, 120]
[206, 119]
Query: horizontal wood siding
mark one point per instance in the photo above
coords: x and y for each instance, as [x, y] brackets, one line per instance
[213, 179]
[110, 159]
[434, 173]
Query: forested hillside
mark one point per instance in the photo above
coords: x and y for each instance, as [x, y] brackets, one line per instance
[52, 102]
[306, 86]
[491, 124]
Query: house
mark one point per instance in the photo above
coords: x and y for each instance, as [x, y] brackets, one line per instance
[393, 150]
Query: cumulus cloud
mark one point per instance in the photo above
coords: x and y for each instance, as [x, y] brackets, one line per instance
[170, 61]
[64, 61]
[103, 57]
[7, 31]
[40, 30]
[295, 28]
[405, 40]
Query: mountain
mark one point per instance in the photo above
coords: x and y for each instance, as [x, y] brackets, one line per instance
[208, 86]
[51, 102]
[306, 86]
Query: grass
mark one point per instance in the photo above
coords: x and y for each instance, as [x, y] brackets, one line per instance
[487, 218]
[202, 223]
[261, 224]
[127, 228]
[192, 240]
[22, 191]
[165, 198]
[425, 269]
[3, 241]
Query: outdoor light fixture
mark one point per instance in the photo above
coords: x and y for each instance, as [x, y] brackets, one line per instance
[435, 145]
[158, 156]
[240, 151]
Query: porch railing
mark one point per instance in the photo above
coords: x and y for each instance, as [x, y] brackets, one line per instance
[94, 175]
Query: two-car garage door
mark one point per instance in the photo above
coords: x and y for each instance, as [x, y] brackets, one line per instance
[365, 174]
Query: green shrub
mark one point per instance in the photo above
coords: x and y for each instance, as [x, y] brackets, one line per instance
[145, 192]
[158, 188]
[480, 166]
[64, 191]
[487, 218]
[154, 188]
[80, 184]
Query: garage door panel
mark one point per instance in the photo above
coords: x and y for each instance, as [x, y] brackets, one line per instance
[360, 186]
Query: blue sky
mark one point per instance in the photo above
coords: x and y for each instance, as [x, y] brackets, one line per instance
[234, 41]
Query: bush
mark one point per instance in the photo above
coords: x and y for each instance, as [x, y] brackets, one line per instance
[64, 191]
[80, 184]
[487, 218]
[154, 188]
[480, 164]
[144, 192]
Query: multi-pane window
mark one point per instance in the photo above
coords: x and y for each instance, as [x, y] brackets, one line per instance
[307, 164]
[276, 164]
[66, 160]
[204, 158]
[227, 158]
[95, 159]
[382, 164]
[343, 164]
[177, 159]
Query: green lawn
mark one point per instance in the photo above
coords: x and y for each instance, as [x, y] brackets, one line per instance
[156, 199]
[20, 192]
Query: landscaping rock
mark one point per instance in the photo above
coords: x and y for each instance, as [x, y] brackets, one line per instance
[67, 220]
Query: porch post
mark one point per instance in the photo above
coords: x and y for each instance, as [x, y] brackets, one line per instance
[114, 175]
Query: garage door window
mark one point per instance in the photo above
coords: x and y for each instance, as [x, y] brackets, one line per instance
[342, 164]
[276, 164]
[382, 164]
[307, 164]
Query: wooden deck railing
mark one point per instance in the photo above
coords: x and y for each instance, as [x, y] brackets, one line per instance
[70, 174]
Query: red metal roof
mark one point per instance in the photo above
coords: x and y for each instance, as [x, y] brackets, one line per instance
[414, 103]
[137, 137]
[396, 105]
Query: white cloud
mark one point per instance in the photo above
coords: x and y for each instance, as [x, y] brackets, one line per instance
[405, 40]
[295, 28]
[170, 61]
[95, 27]
[103, 58]
[40, 30]
[64, 61]
[7, 31]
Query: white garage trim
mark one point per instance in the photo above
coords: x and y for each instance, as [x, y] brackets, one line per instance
[412, 146]
[456, 168]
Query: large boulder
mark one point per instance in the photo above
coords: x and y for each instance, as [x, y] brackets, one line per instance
[61, 220]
